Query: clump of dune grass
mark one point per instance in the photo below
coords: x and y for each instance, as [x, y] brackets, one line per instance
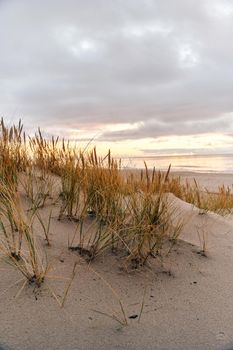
[31, 264]
[17, 241]
[11, 219]
[13, 155]
[220, 201]
[148, 224]
[147, 227]
[103, 187]
[93, 240]
[45, 152]
[134, 220]
[38, 187]
[72, 175]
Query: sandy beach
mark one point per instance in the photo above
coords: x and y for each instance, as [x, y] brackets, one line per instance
[187, 297]
[116, 175]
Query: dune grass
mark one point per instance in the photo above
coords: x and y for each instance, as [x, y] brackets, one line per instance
[114, 211]
[18, 242]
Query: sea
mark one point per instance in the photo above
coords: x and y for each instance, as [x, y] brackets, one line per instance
[183, 163]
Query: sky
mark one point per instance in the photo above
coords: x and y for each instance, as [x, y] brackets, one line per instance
[142, 77]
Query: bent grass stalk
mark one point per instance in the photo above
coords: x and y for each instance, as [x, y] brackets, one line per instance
[46, 228]
[119, 316]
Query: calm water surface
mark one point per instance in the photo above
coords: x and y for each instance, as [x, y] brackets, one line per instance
[196, 163]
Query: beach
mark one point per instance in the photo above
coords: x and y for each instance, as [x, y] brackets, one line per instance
[116, 175]
[181, 301]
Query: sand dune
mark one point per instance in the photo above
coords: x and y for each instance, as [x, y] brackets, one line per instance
[188, 297]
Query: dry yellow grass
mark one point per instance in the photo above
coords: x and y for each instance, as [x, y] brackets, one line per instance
[128, 213]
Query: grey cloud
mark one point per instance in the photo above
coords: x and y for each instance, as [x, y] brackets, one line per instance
[154, 129]
[81, 64]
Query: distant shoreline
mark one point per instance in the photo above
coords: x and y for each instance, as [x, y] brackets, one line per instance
[184, 172]
[219, 164]
[210, 181]
[177, 156]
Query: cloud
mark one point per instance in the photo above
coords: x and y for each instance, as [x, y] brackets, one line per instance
[166, 66]
[155, 129]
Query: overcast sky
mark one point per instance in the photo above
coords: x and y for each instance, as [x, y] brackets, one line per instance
[138, 75]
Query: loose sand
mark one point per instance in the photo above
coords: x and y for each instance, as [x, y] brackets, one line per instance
[188, 300]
